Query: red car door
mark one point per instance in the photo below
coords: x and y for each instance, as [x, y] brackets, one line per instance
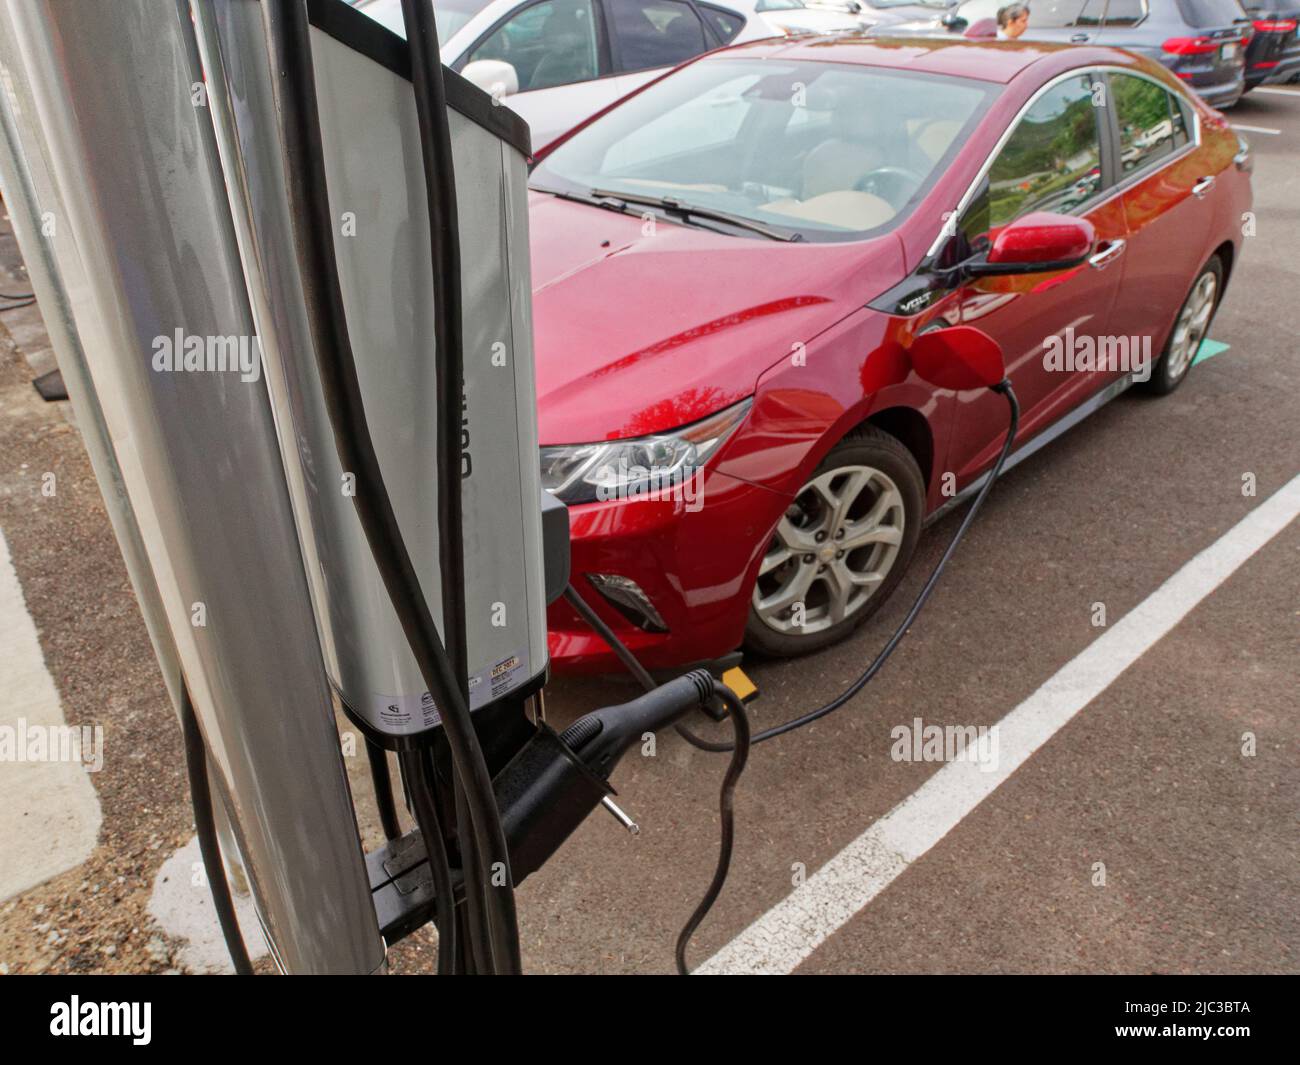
[1045, 322]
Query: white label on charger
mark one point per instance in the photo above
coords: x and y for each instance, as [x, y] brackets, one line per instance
[414, 713]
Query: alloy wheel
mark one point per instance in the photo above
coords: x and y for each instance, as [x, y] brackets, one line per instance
[1190, 329]
[831, 551]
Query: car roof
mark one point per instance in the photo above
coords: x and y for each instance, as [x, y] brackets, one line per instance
[996, 61]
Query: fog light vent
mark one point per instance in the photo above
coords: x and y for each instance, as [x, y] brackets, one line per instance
[629, 600]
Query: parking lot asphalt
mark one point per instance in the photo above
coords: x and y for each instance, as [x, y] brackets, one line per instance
[1137, 838]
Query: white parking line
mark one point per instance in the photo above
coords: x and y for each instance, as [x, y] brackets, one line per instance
[1279, 92]
[49, 810]
[1257, 129]
[788, 933]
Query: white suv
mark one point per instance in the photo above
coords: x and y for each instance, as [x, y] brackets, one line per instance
[557, 62]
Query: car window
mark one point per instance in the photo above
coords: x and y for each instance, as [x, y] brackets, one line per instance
[1051, 161]
[551, 43]
[1122, 12]
[1054, 14]
[725, 23]
[1206, 13]
[1150, 121]
[974, 10]
[830, 151]
[1092, 13]
[655, 33]
[449, 16]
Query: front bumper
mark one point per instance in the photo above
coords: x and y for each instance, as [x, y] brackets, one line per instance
[694, 554]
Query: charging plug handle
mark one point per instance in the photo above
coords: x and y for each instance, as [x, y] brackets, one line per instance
[602, 737]
[548, 789]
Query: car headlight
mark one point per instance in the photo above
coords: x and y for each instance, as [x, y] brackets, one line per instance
[627, 469]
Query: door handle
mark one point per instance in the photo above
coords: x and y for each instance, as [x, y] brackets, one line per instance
[1203, 186]
[1113, 250]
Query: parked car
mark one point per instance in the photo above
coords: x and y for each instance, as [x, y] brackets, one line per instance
[1273, 54]
[557, 62]
[872, 12]
[1204, 42]
[728, 266]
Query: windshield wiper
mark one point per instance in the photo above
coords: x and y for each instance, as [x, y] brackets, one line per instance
[682, 210]
[595, 199]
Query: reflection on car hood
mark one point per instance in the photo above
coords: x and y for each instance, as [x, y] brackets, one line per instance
[640, 328]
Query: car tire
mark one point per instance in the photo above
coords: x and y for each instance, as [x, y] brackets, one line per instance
[1190, 328]
[839, 575]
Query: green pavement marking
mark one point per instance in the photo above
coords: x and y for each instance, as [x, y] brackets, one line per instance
[1209, 349]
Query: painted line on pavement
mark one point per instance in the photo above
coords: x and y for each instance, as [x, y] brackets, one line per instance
[788, 933]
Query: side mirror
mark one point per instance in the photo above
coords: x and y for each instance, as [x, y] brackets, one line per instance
[958, 358]
[495, 77]
[1036, 244]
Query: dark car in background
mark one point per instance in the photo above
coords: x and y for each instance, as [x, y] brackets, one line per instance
[1203, 42]
[1274, 51]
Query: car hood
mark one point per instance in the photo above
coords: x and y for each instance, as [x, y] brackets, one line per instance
[640, 329]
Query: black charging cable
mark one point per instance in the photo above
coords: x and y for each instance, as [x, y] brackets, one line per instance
[481, 901]
[726, 816]
[1004, 388]
[483, 845]
[205, 825]
[740, 746]
[418, 772]
[382, 781]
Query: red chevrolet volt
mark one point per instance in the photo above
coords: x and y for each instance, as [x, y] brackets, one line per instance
[729, 267]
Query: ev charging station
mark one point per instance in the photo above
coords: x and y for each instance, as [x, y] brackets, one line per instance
[284, 260]
[166, 206]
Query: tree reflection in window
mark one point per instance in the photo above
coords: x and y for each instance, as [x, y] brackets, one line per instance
[1051, 162]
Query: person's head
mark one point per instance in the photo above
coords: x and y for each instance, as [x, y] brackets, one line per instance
[1013, 19]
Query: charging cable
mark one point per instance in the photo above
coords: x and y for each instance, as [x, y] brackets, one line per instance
[740, 745]
[1004, 388]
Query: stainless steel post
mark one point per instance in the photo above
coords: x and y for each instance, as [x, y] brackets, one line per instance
[113, 146]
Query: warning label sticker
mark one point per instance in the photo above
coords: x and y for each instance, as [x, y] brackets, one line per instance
[490, 684]
[402, 714]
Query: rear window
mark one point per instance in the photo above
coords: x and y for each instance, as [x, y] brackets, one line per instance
[1124, 12]
[1204, 14]
[1054, 14]
[726, 23]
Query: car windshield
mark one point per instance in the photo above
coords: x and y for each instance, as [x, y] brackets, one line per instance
[448, 15]
[778, 5]
[824, 151]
